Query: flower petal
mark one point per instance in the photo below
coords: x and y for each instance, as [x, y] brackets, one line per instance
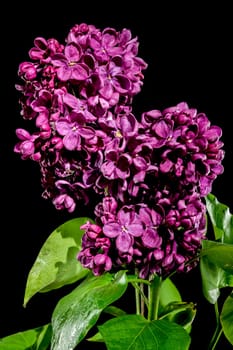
[63, 127]
[123, 242]
[71, 141]
[112, 229]
[79, 72]
[135, 229]
[151, 239]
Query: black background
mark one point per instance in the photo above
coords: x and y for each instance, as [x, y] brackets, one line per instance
[188, 51]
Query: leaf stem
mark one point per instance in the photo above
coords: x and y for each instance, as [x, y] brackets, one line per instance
[137, 298]
[153, 295]
[137, 280]
[218, 330]
[143, 299]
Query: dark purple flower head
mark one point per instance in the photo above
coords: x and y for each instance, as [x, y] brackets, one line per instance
[148, 175]
[79, 94]
[189, 147]
[148, 238]
[170, 160]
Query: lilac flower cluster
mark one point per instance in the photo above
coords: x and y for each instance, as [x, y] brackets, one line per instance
[148, 176]
[156, 173]
[71, 93]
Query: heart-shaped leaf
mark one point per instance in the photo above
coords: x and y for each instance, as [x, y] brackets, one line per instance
[213, 276]
[56, 264]
[182, 313]
[37, 339]
[134, 332]
[221, 219]
[226, 318]
[76, 313]
[219, 254]
[168, 293]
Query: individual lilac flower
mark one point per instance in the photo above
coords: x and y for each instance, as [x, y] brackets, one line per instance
[161, 128]
[116, 166]
[44, 49]
[117, 162]
[102, 263]
[97, 142]
[92, 170]
[113, 80]
[106, 45]
[26, 146]
[64, 201]
[106, 210]
[127, 125]
[152, 219]
[72, 133]
[69, 66]
[80, 34]
[125, 259]
[92, 231]
[69, 194]
[124, 228]
[80, 107]
[27, 70]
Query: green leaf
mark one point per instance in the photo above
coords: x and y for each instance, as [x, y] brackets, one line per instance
[96, 338]
[168, 293]
[44, 337]
[114, 311]
[221, 219]
[134, 332]
[226, 318]
[57, 265]
[76, 313]
[36, 339]
[219, 254]
[182, 313]
[213, 278]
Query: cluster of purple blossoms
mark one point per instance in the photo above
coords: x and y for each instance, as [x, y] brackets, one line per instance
[72, 93]
[148, 176]
[156, 174]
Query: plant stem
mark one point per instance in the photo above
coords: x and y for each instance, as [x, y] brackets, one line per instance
[218, 330]
[153, 295]
[141, 297]
[137, 298]
[133, 279]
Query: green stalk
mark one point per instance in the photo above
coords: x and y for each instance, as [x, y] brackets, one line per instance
[153, 296]
[143, 298]
[137, 298]
[218, 330]
[140, 296]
